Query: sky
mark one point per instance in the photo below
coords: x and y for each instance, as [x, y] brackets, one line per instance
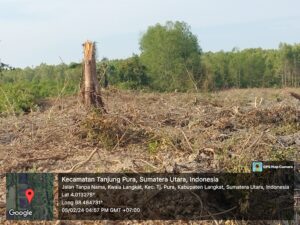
[52, 31]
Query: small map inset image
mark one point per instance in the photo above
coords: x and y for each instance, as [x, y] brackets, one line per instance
[257, 166]
[29, 196]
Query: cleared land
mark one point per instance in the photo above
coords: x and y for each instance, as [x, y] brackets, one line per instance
[151, 132]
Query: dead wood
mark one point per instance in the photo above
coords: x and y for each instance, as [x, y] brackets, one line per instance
[90, 90]
[295, 95]
[80, 163]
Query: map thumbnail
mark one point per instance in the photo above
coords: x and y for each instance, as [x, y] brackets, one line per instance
[29, 196]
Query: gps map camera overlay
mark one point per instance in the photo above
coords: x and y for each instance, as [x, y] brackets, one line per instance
[169, 196]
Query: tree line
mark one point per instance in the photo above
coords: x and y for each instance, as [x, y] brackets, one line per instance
[170, 60]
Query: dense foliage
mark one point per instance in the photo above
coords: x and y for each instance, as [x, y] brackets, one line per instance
[253, 68]
[170, 60]
[22, 89]
[172, 56]
[127, 74]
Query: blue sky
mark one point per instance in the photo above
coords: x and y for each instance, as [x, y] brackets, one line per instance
[37, 31]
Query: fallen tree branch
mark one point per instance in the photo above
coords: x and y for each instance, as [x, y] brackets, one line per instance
[256, 140]
[149, 164]
[55, 157]
[2, 205]
[26, 162]
[187, 140]
[80, 163]
[295, 95]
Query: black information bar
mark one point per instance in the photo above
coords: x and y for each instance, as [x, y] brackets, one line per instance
[265, 195]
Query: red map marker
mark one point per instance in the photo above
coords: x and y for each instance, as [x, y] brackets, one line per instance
[29, 194]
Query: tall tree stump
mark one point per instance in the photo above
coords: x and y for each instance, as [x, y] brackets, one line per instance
[90, 90]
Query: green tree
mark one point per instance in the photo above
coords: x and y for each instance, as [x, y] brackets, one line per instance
[290, 58]
[128, 73]
[172, 56]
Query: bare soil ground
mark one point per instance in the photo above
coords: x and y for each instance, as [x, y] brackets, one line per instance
[152, 132]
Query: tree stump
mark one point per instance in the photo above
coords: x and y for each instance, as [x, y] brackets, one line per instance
[90, 90]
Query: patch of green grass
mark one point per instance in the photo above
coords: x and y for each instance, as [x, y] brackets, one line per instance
[285, 129]
[153, 146]
[281, 154]
[33, 169]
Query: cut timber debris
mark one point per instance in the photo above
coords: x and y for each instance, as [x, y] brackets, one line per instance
[295, 95]
[90, 86]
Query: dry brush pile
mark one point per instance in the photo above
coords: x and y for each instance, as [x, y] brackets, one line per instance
[151, 132]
